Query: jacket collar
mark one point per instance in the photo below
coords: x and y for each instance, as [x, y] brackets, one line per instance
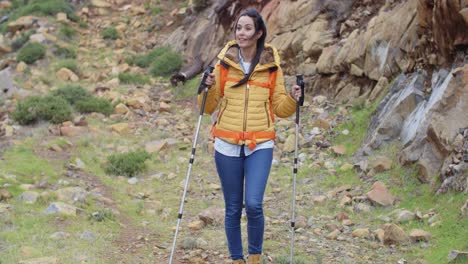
[230, 54]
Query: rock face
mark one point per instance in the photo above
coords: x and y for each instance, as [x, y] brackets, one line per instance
[427, 127]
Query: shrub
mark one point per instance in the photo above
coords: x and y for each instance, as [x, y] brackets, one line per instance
[27, 111]
[110, 33]
[67, 32]
[94, 104]
[31, 52]
[127, 164]
[133, 78]
[67, 63]
[21, 40]
[166, 64]
[48, 108]
[145, 60]
[43, 7]
[64, 52]
[55, 109]
[72, 93]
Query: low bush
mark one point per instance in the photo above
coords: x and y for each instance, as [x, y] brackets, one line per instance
[166, 64]
[55, 109]
[127, 164]
[145, 60]
[94, 104]
[49, 108]
[42, 7]
[72, 93]
[110, 33]
[131, 78]
[19, 41]
[31, 52]
[67, 63]
[64, 52]
[66, 32]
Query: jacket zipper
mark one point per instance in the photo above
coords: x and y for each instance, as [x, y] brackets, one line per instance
[222, 112]
[246, 106]
[267, 116]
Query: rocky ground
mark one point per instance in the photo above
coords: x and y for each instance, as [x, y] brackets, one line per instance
[58, 206]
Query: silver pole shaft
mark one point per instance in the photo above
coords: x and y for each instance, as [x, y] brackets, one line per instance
[187, 177]
[293, 220]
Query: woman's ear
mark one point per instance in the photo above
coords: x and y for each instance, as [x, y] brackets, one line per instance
[259, 34]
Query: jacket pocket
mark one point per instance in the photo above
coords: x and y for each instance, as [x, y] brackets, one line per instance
[222, 111]
[267, 115]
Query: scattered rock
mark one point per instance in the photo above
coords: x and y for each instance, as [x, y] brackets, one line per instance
[405, 216]
[456, 256]
[212, 215]
[61, 208]
[394, 235]
[380, 195]
[417, 235]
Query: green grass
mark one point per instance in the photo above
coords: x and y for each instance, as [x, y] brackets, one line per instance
[66, 32]
[132, 78]
[110, 33]
[67, 63]
[188, 90]
[38, 8]
[360, 117]
[27, 166]
[31, 52]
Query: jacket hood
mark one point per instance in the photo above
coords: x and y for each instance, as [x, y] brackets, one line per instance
[269, 57]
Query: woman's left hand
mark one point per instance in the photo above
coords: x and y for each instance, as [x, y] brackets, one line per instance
[295, 92]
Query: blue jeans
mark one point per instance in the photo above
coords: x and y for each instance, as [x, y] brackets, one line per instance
[233, 172]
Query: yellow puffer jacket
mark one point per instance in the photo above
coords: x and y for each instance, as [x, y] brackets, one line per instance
[246, 110]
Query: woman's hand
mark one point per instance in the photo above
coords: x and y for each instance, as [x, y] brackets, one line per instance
[296, 92]
[210, 79]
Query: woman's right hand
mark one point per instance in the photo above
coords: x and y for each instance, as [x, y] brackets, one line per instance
[210, 79]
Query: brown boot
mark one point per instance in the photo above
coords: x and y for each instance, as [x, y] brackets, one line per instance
[255, 259]
[238, 261]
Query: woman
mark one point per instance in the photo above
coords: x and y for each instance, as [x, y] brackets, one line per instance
[249, 83]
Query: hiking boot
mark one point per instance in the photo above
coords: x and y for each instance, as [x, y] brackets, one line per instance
[254, 259]
[238, 261]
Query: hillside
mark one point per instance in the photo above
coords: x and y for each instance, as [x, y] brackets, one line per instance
[97, 123]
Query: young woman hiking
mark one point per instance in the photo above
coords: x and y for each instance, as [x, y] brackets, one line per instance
[249, 83]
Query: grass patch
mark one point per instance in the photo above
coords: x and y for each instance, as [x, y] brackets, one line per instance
[72, 93]
[67, 63]
[64, 52]
[22, 162]
[38, 8]
[94, 104]
[42, 7]
[357, 127]
[110, 33]
[22, 39]
[83, 101]
[130, 78]
[145, 60]
[188, 90]
[127, 164]
[166, 64]
[49, 108]
[31, 52]
[66, 32]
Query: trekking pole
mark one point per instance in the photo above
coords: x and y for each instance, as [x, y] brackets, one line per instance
[203, 87]
[300, 102]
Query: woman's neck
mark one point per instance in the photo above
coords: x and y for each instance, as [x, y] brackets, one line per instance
[248, 53]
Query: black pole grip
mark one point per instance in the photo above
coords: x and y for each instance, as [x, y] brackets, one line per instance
[203, 85]
[300, 82]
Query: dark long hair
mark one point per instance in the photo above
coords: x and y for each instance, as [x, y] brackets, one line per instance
[259, 25]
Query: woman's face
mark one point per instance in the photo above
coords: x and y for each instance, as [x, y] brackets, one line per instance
[245, 32]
